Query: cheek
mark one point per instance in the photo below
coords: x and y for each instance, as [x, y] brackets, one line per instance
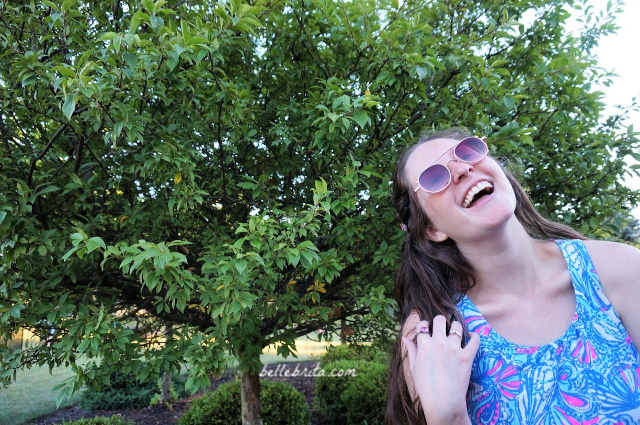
[436, 209]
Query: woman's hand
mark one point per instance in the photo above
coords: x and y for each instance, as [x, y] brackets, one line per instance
[440, 369]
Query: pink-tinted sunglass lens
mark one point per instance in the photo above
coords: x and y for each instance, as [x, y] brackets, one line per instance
[435, 178]
[471, 150]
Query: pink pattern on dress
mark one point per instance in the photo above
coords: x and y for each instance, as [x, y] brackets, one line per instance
[584, 351]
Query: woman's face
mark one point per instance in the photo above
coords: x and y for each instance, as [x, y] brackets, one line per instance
[479, 197]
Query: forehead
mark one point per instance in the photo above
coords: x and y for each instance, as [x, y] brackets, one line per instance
[425, 154]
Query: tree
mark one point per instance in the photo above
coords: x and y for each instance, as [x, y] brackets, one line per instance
[221, 169]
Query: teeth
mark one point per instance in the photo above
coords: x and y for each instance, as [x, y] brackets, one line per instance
[474, 191]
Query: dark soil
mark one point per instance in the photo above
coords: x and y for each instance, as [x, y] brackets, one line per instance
[161, 415]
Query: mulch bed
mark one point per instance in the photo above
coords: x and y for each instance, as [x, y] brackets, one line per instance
[161, 415]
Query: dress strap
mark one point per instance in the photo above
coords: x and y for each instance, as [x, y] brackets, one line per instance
[583, 274]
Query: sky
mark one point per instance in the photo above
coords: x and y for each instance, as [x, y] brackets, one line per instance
[619, 53]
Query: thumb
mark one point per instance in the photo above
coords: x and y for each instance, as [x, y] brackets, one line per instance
[412, 350]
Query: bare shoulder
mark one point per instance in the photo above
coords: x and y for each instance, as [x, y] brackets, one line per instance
[617, 265]
[614, 258]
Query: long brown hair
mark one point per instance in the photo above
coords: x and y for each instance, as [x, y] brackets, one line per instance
[434, 276]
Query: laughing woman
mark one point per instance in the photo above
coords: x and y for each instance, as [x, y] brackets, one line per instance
[507, 318]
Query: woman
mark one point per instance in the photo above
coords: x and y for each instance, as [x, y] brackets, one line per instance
[501, 323]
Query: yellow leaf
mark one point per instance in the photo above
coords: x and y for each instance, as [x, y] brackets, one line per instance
[193, 305]
[367, 92]
[320, 288]
[123, 218]
[292, 282]
[220, 287]
[177, 178]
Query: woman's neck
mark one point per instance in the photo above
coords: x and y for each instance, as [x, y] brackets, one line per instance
[507, 260]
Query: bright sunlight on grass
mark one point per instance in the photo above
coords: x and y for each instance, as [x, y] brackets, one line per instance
[31, 395]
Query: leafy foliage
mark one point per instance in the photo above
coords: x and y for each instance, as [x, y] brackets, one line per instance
[282, 404]
[122, 392]
[330, 387]
[366, 396]
[352, 352]
[221, 168]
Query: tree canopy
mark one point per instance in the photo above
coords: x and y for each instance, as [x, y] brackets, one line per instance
[222, 168]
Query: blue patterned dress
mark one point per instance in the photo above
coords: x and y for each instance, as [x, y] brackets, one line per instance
[590, 375]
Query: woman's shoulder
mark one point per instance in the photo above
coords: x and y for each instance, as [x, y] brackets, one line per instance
[614, 258]
[618, 267]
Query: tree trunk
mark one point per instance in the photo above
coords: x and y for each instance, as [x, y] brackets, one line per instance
[165, 392]
[250, 399]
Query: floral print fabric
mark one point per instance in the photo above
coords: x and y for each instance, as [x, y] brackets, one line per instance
[590, 375]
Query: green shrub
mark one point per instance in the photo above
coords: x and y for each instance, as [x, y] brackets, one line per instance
[353, 352]
[329, 388]
[124, 392]
[366, 396]
[101, 420]
[282, 404]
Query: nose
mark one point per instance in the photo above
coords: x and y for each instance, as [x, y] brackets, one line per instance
[459, 169]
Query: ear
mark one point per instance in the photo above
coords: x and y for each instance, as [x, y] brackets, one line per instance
[435, 235]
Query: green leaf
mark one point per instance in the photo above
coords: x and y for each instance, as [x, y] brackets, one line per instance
[64, 394]
[172, 61]
[241, 265]
[95, 243]
[361, 117]
[69, 106]
[131, 59]
[108, 36]
[46, 190]
[136, 19]
[65, 71]
[50, 4]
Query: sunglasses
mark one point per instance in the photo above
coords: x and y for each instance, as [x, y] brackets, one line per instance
[436, 177]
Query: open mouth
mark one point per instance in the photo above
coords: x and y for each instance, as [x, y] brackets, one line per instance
[476, 192]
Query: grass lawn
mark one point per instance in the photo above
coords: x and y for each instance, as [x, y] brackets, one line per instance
[31, 394]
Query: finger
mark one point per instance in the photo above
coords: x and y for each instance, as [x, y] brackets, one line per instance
[455, 332]
[439, 326]
[422, 327]
[412, 350]
[473, 343]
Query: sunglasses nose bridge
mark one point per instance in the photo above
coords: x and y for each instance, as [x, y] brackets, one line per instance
[454, 159]
[457, 172]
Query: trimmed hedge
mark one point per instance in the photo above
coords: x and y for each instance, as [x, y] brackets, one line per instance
[328, 391]
[353, 352]
[282, 404]
[366, 396]
[349, 399]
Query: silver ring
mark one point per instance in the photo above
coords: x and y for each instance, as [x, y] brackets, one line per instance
[455, 333]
